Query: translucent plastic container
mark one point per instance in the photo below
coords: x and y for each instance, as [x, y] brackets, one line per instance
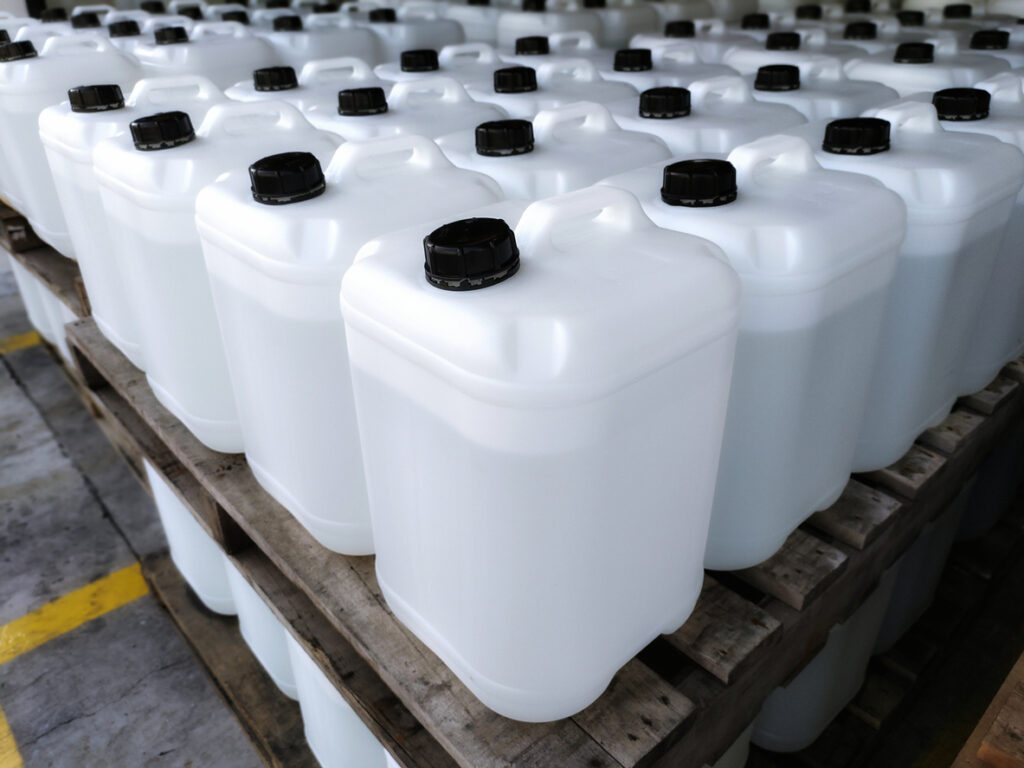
[275, 272]
[429, 106]
[796, 714]
[580, 45]
[620, 21]
[711, 37]
[297, 40]
[816, 251]
[1000, 44]
[676, 10]
[469, 63]
[417, 26]
[323, 78]
[819, 90]
[960, 190]
[13, 24]
[265, 635]
[28, 84]
[69, 138]
[811, 46]
[479, 21]
[513, 24]
[563, 149]
[283, 84]
[149, 199]
[194, 553]
[224, 51]
[558, 419]
[675, 65]
[30, 290]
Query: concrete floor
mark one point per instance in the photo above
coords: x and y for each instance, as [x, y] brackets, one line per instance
[121, 689]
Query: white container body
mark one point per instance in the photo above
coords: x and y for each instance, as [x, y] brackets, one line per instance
[321, 40]
[574, 147]
[679, 10]
[732, 10]
[69, 139]
[468, 63]
[515, 24]
[480, 22]
[814, 48]
[712, 40]
[275, 273]
[413, 32]
[336, 735]
[265, 635]
[26, 88]
[149, 200]
[816, 251]
[678, 65]
[796, 714]
[559, 420]
[825, 93]
[195, 554]
[619, 22]
[30, 290]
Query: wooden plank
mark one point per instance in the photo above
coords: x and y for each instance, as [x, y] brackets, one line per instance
[858, 517]
[992, 397]
[907, 476]
[880, 697]
[1015, 370]
[910, 656]
[58, 274]
[951, 433]
[16, 234]
[271, 719]
[725, 631]
[799, 572]
[968, 756]
[1003, 745]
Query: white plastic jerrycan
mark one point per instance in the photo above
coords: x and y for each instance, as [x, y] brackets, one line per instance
[149, 180]
[29, 82]
[430, 106]
[478, 18]
[535, 19]
[224, 51]
[960, 190]
[607, 393]
[69, 132]
[563, 149]
[321, 79]
[819, 90]
[816, 251]
[996, 108]
[580, 45]
[262, 631]
[998, 43]
[676, 10]
[418, 26]
[125, 32]
[786, 47]
[619, 21]
[677, 65]
[336, 735]
[925, 66]
[468, 63]
[297, 40]
[794, 715]
[713, 116]
[282, 84]
[276, 247]
[193, 551]
[31, 291]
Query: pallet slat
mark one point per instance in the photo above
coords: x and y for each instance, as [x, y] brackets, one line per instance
[908, 475]
[952, 432]
[799, 572]
[860, 515]
[992, 397]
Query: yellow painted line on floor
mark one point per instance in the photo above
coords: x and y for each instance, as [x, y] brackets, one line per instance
[70, 611]
[14, 343]
[9, 755]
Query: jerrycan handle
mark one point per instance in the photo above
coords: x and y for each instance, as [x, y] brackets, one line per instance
[159, 22]
[730, 89]
[910, 116]
[945, 46]
[97, 8]
[713, 27]
[328, 71]
[355, 6]
[584, 114]
[566, 42]
[418, 10]
[327, 20]
[781, 152]
[580, 70]
[551, 223]
[479, 53]
[246, 118]
[439, 89]
[208, 29]
[59, 45]
[174, 5]
[812, 37]
[677, 53]
[366, 160]
[222, 8]
[821, 68]
[1005, 88]
[157, 91]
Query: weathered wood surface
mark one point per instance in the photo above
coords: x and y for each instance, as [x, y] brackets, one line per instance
[969, 756]
[57, 273]
[799, 572]
[1003, 745]
[861, 515]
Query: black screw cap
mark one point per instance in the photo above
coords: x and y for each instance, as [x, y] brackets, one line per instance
[95, 98]
[162, 131]
[595, 3]
[777, 77]
[812, 12]
[633, 60]
[861, 30]
[782, 41]
[534, 45]
[171, 36]
[681, 28]
[289, 177]
[288, 24]
[276, 4]
[857, 6]
[515, 80]
[478, 2]
[360, 102]
[503, 138]
[665, 103]
[382, 16]
[911, 18]
[990, 40]
[470, 254]
[699, 183]
[53, 14]
[193, 12]
[755, 21]
[957, 11]
[4, 37]
[420, 60]
[326, 8]
[124, 28]
[914, 53]
[857, 136]
[274, 79]
[152, 6]
[962, 104]
[17, 50]
[536, 6]
[240, 16]
[86, 20]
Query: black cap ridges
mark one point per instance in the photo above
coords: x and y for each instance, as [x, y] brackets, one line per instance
[152, 6]
[17, 50]
[809, 11]
[289, 177]
[360, 102]
[861, 30]
[193, 12]
[95, 98]
[777, 77]
[478, 2]
[470, 254]
[274, 79]
[857, 6]
[911, 18]
[53, 14]
[914, 53]
[326, 8]
[962, 104]
[957, 11]
[533, 45]
[536, 6]
[420, 60]
[171, 36]
[515, 80]
[699, 183]
[782, 41]
[990, 40]
[680, 28]
[276, 4]
[87, 20]
[4, 36]
[755, 21]
[382, 16]
[288, 24]
[857, 136]
[503, 138]
[124, 28]
[665, 103]
[240, 16]
[162, 131]
[633, 60]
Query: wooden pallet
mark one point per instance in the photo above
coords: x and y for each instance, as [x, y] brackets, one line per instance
[998, 740]
[681, 702]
